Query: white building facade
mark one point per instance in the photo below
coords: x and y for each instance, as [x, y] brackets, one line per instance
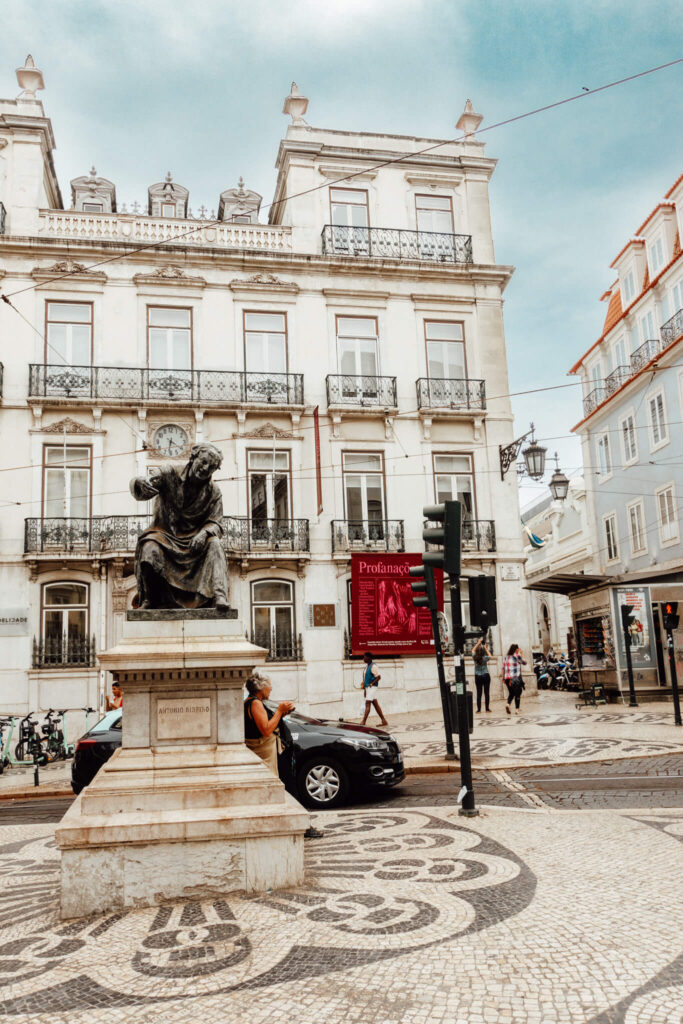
[370, 305]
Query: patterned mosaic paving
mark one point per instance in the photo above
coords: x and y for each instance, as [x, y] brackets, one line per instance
[407, 917]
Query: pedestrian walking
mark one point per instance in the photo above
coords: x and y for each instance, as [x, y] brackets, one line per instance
[482, 679]
[371, 680]
[512, 676]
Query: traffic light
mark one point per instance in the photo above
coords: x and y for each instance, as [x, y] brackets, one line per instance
[444, 533]
[483, 609]
[425, 591]
[627, 616]
[670, 617]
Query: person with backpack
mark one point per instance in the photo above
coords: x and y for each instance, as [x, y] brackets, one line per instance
[512, 676]
[370, 681]
[482, 679]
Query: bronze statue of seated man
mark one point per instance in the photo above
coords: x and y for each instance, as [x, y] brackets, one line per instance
[179, 559]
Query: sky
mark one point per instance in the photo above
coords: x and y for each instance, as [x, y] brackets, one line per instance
[140, 87]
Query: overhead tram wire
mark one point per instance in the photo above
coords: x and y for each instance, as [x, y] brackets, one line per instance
[384, 163]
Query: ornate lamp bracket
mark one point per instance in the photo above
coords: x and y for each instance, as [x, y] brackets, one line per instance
[510, 452]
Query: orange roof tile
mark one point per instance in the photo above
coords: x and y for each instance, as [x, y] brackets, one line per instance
[646, 279]
[675, 184]
[677, 242]
[614, 311]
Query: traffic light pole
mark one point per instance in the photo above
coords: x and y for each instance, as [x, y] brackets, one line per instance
[632, 702]
[443, 688]
[467, 807]
[674, 677]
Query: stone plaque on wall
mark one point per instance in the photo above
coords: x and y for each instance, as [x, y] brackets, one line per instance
[184, 718]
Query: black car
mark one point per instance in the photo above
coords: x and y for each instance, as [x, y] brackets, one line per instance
[321, 762]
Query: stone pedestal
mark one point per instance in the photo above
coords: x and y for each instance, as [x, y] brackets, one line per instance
[183, 809]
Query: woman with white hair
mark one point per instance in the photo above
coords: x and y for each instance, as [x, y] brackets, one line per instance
[260, 722]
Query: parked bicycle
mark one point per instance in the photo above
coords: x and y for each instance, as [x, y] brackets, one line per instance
[54, 730]
[30, 746]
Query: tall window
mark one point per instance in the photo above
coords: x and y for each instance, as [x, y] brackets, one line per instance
[445, 350]
[363, 491]
[667, 513]
[611, 544]
[628, 289]
[269, 490]
[272, 616]
[66, 482]
[453, 481]
[620, 357]
[656, 253]
[596, 376]
[68, 333]
[349, 207]
[636, 521]
[434, 213]
[265, 342]
[604, 455]
[647, 327]
[169, 338]
[628, 439]
[64, 625]
[357, 340]
[677, 294]
[659, 432]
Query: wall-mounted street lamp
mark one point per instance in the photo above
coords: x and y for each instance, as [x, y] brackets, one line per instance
[559, 483]
[533, 454]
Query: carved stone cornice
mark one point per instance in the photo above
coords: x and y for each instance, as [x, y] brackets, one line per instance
[75, 272]
[170, 275]
[66, 426]
[263, 282]
[269, 432]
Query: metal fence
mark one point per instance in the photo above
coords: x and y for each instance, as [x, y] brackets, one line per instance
[433, 393]
[352, 389]
[64, 652]
[143, 384]
[367, 535]
[395, 243]
[251, 534]
[282, 645]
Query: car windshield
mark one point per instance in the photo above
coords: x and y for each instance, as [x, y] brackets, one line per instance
[293, 716]
[112, 720]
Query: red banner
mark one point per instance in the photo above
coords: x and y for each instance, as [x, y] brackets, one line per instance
[383, 619]
[318, 474]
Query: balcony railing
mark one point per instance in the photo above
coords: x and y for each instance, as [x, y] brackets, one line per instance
[142, 384]
[267, 535]
[397, 244]
[367, 535]
[672, 329]
[616, 378]
[282, 645]
[64, 652]
[479, 535]
[433, 393]
[97, 534]
[593, 399]
[644, 353]
[3, 218]
[188, 233]
[349, 389]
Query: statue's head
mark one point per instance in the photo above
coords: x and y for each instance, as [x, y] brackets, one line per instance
[204, 460]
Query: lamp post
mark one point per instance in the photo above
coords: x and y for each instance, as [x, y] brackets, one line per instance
[534, 455]
[559, 483]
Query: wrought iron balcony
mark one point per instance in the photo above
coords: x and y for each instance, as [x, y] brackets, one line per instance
[64, 652]
[435, 393]
[367, 535]
[365, 390]
[672, 329]
[397, 244]
[3, 218]
[98, 534]
[242, 534]
[478, 535]
[229, 387]
[644, 353]
[282, 645]
[593, 399]
[616, 378]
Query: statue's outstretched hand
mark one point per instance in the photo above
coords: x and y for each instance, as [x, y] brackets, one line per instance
[198, 542]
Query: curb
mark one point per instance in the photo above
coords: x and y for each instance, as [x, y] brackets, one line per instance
[35, 792]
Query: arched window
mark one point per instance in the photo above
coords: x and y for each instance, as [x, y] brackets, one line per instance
[272, 619]
[64, 625]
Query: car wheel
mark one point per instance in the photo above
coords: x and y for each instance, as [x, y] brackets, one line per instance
[322, 783]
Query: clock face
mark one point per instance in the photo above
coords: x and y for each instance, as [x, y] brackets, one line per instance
[171, 440]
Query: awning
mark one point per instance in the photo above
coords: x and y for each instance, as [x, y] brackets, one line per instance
[567, 582]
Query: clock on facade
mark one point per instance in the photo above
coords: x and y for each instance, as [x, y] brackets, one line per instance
[171, 440]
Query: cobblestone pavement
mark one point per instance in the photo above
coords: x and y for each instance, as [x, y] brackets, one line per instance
[549, 729]
[408, 916]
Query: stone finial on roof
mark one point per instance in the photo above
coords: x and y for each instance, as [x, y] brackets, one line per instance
[30, 79]
[295, 105]
[469, 120]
